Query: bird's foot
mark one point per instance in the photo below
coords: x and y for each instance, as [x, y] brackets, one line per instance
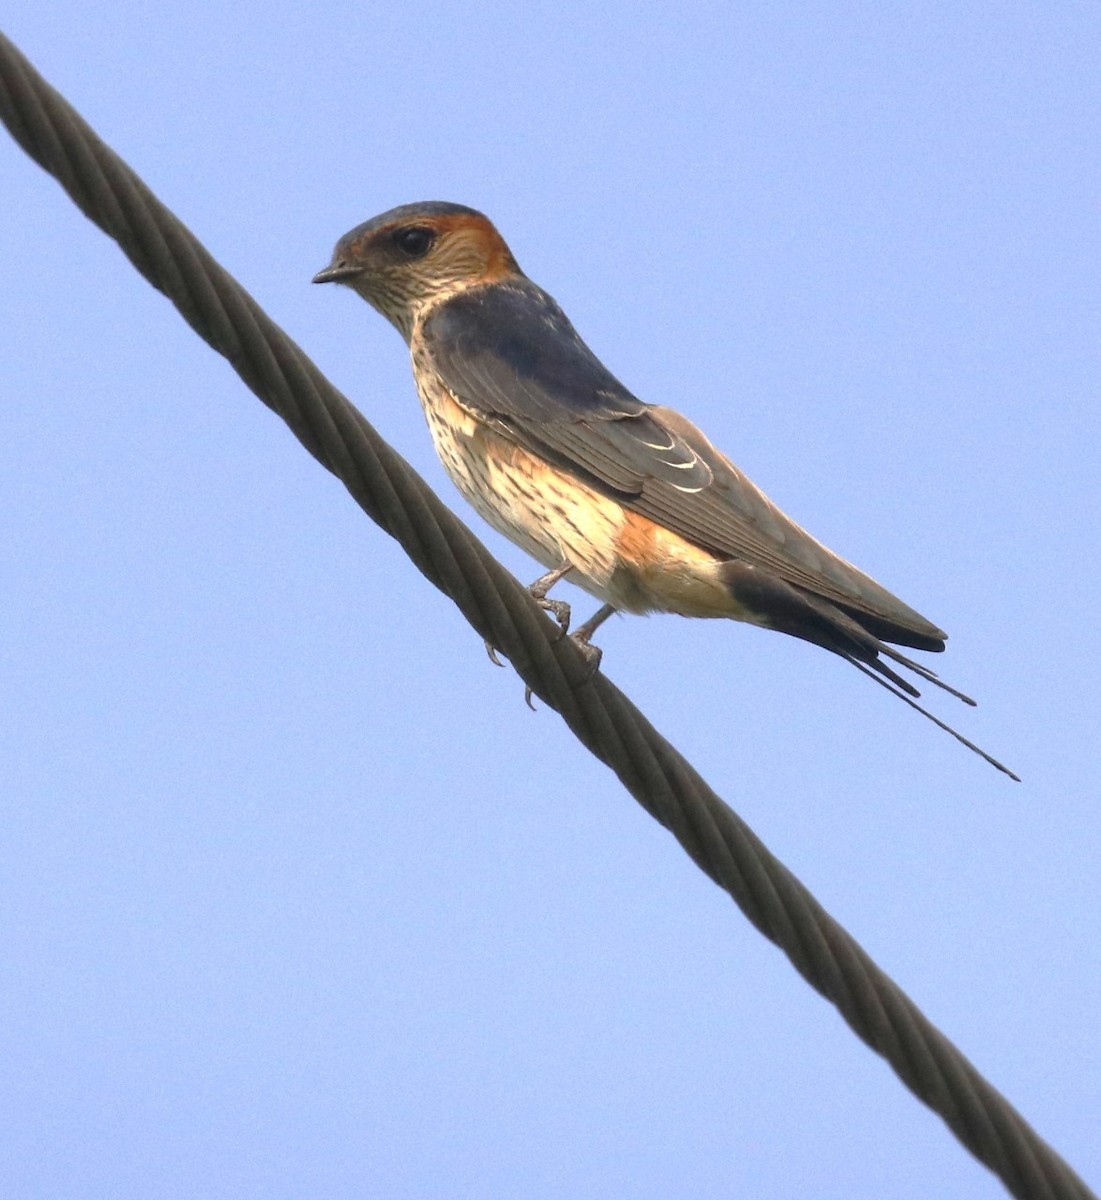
[582, 635]
[592, 654]
[558, 609]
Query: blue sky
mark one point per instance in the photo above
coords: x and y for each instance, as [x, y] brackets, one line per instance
[297, 899]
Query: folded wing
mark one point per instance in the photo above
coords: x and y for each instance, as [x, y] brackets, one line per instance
[510, 356]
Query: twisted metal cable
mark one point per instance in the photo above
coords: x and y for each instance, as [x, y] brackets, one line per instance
[503, 613]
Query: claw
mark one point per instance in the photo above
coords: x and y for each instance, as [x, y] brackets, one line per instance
[558, 609]
[592, 654]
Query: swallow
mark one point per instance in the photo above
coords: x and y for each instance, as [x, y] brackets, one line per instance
[628, 500]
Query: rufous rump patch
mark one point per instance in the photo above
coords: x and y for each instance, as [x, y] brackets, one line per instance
[637, 539]
[671, 573]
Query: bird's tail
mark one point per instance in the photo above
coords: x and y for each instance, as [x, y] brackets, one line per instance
[787, 609]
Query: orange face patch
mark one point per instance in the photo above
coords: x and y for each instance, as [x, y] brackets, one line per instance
[485, 242]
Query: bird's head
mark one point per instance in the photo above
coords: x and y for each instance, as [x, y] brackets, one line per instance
[405, 261]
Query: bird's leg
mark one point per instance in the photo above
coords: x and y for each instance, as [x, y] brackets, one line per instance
[558, 609]
[580, 639]
[583, 633]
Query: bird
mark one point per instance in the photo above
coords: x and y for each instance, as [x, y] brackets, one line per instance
[628, 500]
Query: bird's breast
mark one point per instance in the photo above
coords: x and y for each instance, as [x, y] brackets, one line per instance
[618, 555]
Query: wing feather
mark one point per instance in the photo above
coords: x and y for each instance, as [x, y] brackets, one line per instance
[509, 355]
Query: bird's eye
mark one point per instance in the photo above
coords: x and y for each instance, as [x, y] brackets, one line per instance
[414, 241]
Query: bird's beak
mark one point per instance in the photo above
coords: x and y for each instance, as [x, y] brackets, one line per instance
[338, 272]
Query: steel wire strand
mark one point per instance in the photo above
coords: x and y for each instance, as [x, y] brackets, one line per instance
[502, 612]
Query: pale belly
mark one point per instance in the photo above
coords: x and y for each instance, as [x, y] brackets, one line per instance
[616, 555]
